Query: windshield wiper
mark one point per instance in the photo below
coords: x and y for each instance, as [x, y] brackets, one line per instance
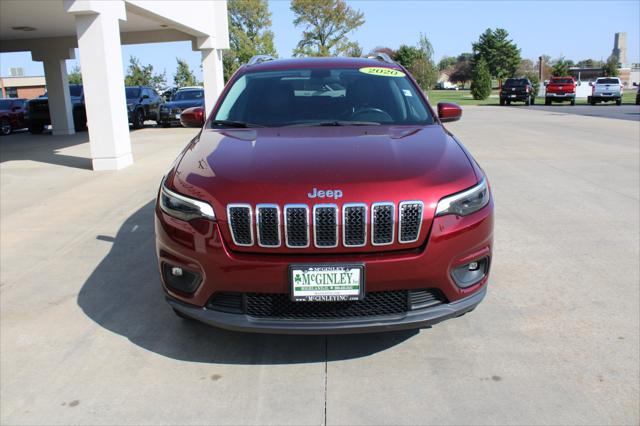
[231, 123]
[336, 123]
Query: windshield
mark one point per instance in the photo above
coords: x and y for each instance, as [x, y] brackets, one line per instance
[5, 103]
[75, 91]
[322, 96]
[562, 80]
[132, 92]
[607, 81]
[516, 82]
[188, 95]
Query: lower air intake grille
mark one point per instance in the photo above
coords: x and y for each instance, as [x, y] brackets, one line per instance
[279, 306]
[240, 224]
[410, 221]
[297, 226]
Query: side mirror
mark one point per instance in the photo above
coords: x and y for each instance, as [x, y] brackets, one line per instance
[145, 96]
[635, 84]
[192, 117]
[449, 112]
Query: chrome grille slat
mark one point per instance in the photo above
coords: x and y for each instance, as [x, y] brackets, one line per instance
[325, 225]
[240, 224]
[268, 225]
[410, 221]
[296, 225]
[382, 223]
[354, 225]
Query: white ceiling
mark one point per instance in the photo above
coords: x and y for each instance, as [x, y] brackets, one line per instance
[50, 20]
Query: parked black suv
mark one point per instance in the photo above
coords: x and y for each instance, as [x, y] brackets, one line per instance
[143, 103]
[517, 90]
[183, 98]
[37, 111]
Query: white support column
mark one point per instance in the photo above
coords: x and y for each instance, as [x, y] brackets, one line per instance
[60, 106]
[55, 73]
[212, 76]
[97, 27]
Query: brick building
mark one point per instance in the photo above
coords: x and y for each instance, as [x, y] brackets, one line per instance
[22, 87]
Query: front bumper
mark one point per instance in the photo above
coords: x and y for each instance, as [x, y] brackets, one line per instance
[521, 97]
[420, 318]
[167, 116]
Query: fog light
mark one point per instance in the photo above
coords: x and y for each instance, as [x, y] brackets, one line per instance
[180, 279]
[470, 273]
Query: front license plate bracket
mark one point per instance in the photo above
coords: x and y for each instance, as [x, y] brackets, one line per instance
[326, 282]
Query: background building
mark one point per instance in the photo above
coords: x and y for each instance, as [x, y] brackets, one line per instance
[22, 87]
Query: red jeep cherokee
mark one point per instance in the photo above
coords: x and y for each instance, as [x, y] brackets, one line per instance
[324, 196]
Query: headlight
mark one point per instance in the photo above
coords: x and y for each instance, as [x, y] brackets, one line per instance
[466, 202]
[184, 208]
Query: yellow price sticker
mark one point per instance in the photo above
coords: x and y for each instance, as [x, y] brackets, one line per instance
[383, 72]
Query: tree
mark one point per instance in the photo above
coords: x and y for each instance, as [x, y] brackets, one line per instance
[419, 61]
[75, 76]
[389, 51]
[610, 68]
[184, 76]
[326, 26]
[590, 63]
[446, 62]
[142, 75]
[560, 68]
[353, 50]
[501, 55]
[463, 69]
[481, 84]
[249, 33]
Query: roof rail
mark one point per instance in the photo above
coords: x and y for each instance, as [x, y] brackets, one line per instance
[260, 58]
[381, 56]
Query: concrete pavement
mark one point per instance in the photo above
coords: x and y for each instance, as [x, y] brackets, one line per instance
[86, 336]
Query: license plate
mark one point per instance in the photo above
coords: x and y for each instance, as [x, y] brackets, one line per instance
[606, 94]
[178, 116]
[326, 283]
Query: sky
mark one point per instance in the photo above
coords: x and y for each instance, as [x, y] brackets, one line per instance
[574, 29]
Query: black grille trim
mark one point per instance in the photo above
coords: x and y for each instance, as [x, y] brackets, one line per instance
[354, 224]
[268, 225]
[410, 221]
[240, 219]
[325, 225]
[296, 225]
[383, 224]
[280, 307]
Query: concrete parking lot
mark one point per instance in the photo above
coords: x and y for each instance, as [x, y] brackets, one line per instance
[87, 338]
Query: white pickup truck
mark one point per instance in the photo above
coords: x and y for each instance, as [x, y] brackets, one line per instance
[605, 89]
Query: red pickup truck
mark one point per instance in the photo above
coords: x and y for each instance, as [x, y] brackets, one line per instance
[560, 89]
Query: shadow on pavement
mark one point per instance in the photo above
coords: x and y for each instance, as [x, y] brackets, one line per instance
[43, 148]
[123, 295]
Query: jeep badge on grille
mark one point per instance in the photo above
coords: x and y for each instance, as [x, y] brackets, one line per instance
[329, 193]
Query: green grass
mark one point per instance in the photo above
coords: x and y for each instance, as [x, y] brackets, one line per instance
[463, 97]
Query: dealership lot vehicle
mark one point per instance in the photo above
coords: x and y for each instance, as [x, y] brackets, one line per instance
[12, 115]
[560, 89]
[401, 238]
[606, 89]
[143, 103]
[113, 353]
[182, 99]
[517, 90]
[37, 114]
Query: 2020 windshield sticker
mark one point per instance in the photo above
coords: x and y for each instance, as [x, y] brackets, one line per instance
[382, 72]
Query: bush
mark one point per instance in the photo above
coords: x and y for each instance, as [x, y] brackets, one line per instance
[481, 84]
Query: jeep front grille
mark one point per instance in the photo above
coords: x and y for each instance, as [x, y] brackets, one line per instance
[297, 222]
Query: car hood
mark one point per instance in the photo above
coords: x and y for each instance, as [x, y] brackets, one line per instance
[184, 104]
[283, 165]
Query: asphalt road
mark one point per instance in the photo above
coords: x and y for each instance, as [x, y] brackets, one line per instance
[85, 336]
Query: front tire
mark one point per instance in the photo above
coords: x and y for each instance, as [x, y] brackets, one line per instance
[527, 102]
[573, 102]
[36, 128]
[501, 102]
[138, 120]
[547, 101]
[165, 124]
[618, 101]
[5, 127]
[533, 100]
